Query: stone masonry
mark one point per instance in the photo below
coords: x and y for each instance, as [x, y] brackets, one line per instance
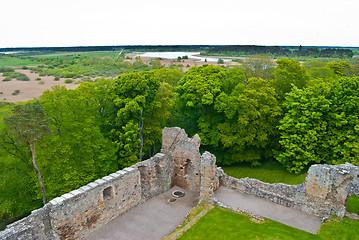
[180, 163]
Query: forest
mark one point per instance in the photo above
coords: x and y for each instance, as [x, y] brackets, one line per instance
[294, 113]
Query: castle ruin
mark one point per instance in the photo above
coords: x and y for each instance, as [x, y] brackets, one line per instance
[81, 211]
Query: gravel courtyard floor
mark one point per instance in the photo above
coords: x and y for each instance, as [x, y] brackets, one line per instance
[268, 209]
[153, 219]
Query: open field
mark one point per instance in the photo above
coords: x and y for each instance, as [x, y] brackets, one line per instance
[14, 61]
[224, 224]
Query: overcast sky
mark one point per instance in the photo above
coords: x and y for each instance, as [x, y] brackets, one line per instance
[47, 23]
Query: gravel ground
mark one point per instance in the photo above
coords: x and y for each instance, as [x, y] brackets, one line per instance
[153, 219]
[268, 209]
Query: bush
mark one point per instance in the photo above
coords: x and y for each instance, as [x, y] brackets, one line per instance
[37, 79]
[21, 76]
[56, 79]
[16, 92]
[6, 69]
[7, 79]
[24, 67]
[69, 81]
[1, 93]
[42, 82]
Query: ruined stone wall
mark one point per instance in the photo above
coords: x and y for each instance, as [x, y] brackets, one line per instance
[156, 175]
[186, 155]
[83, 210]
[324, 192]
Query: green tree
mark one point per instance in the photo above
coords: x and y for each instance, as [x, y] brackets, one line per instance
[29, 125]
[249, 129]
[77, 151]
[142, 99]
[287, 74]
[321, 125]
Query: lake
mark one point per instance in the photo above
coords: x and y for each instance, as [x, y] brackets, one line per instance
[175, 55]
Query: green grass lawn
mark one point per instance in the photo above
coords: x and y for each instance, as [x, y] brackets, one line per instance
[7, 61]
[353, 204]
[224, 224]
[270, 172]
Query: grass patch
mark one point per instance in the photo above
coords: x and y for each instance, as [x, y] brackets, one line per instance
[64, 54]
[270, 172]
[225, 224]
[10, 61]
[353, 204]
[192, 214]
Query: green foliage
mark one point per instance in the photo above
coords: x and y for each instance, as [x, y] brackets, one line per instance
[321, 125]
[15, 92]
[287, 74]
[353, 204]
[235, 116]
[69, 81]
[220, 61]
[142, 99]
[77, 152]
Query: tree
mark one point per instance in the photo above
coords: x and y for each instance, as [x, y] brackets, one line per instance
[249, 129]
[77, 152]
[142, 99]
[259, 67]
[287, 74]
[321, 125]
[29, 125]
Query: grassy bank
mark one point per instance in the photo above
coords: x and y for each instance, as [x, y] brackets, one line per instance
[270, 172]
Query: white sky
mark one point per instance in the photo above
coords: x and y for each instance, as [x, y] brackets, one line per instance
[51, 23]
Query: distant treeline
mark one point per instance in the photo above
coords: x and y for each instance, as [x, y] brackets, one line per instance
[278, 51]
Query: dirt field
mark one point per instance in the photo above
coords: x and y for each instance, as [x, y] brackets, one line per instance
[29, 89]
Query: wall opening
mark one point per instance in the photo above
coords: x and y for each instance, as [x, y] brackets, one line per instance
[188, 167]
[107, 193]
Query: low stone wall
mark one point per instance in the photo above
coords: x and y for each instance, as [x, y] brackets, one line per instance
[324, 192]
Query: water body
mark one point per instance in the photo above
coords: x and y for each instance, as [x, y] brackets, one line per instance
[175, 55]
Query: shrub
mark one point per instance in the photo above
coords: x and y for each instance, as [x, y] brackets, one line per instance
[42, 82]
[7, 79]
[24, 67]
[37, 79]
[56, 79]
[16, 92]
[1, 93]
[6, 69]
[69, 81]
[21, 77]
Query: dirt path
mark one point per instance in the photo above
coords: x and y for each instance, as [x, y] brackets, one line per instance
[153, 219]
[265, 208]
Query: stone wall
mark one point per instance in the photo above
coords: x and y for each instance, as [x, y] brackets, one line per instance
[186, 155]
[324, 193]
